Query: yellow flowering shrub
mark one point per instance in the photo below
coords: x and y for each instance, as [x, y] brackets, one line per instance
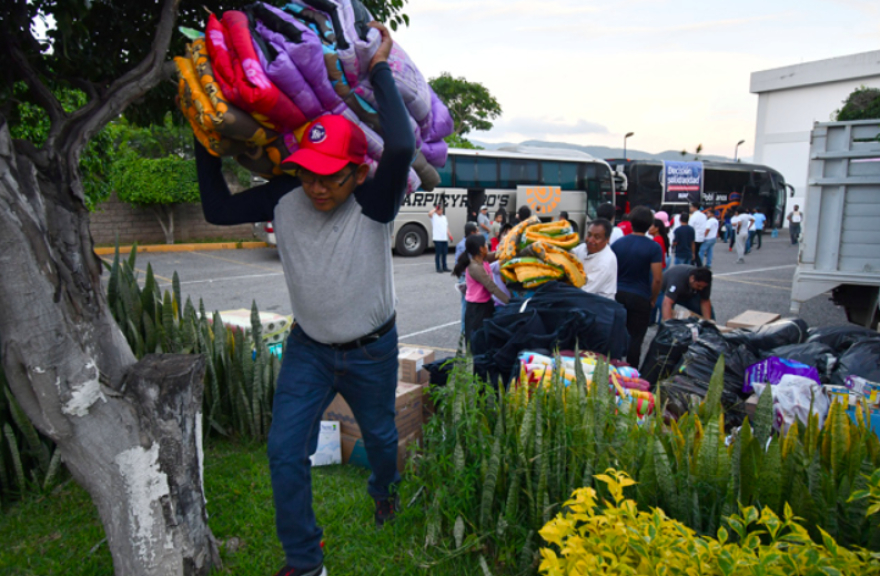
[618, 539]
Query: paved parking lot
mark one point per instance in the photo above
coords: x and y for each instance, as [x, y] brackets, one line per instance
[428, 308]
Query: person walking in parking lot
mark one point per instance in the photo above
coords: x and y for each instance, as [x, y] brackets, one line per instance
[760, 219]
[795, 217]
[329, 218]
[698, 223]
[639, 274]
[707, 250]
[441, 236]
[741, 222]
[683, 241]
[484, 223]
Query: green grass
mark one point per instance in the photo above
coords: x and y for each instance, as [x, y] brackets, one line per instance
[61, 534]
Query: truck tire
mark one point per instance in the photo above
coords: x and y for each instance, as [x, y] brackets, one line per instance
[411, 240]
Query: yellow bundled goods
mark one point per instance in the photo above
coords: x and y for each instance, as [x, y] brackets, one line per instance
[507, 250]
[557, 234]
[531, 272]
[570, 264]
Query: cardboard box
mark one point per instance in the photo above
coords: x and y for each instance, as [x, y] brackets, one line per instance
[407, 411]
[354, 451]
[752, 319]
[412, 361]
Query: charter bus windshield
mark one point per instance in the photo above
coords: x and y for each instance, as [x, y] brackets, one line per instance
[547, 180]
[725, 185]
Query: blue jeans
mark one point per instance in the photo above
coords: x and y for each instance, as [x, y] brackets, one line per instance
[441, 249]
[707, 250]
[682, 260]
[311, 375]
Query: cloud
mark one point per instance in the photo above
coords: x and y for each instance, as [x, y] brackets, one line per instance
[546, 127]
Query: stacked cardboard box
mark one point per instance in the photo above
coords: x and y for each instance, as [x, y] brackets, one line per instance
[412, 362]
[407, 416]
[752, 319]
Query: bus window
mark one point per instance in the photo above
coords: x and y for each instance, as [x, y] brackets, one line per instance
[596, 182]
[446, 173]
[562, 174]
[472, 172]
[649, 187]
[517, 172]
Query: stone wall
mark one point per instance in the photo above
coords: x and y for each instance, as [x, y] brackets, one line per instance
[131, 224]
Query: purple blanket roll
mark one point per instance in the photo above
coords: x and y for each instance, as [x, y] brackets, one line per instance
[772, 370]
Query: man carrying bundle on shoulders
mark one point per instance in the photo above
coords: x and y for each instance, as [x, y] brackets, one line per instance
[334, 238]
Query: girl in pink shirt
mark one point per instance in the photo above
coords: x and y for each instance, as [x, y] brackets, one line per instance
[474, 264]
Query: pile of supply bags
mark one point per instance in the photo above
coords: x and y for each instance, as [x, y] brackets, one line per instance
[534, 253]
[539, 370]
[806, 368]
[252, 82]
[555, 316]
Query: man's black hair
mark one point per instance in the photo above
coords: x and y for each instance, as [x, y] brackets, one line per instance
[702, 274]
[563, 215]
[605, 224]
[524, 213]
[695, 205]
[684, 218]
[605, 211]
[641, 219]
[470, 228]
[504, 228]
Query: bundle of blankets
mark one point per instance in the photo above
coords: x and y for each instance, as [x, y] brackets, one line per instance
[534, 253]
[255, 78]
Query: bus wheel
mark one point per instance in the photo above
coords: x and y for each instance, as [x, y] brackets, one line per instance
[411, 240]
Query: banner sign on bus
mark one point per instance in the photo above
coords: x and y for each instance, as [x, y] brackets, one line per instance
[682, 181]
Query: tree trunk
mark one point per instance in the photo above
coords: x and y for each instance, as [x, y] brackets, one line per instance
[165, 212]
[130, 433]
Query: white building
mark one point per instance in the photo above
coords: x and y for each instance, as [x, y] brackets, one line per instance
[792, 98]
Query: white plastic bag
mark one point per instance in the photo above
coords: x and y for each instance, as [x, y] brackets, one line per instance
[792, 399]
[329, 445]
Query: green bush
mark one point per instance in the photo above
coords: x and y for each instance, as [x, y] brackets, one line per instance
[497, 467]
[619, 539]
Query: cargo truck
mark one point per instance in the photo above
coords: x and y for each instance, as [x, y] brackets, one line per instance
[840, 236]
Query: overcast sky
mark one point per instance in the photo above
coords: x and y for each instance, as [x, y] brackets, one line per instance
[675, 72]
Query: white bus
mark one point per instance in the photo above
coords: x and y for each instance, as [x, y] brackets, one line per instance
[547, 180]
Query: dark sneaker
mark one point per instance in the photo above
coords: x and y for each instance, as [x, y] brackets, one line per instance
[386, 510]
[290, 571]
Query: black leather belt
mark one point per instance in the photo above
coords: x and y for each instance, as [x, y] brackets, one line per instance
[369, 338]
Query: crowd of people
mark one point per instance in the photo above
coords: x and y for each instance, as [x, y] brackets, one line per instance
[647, 262]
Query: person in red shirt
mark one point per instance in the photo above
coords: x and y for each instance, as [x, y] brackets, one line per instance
[625, 225]
[658, 232]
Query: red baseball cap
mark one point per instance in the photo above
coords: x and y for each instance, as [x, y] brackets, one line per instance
[329, 144]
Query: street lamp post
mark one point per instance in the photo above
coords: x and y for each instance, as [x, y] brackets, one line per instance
[736, 150]
[628, 134]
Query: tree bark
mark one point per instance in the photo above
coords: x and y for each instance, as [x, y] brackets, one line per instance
[163, 212]
[130, 433]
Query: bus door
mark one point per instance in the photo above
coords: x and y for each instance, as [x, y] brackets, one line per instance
[476, 197]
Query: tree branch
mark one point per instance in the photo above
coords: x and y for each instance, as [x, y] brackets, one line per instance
[18, 62]
[88, 120]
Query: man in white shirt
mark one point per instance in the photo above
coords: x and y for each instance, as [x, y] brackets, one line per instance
[795, 217]
[600, 262]
[698, 223]
[707, 250]
[441, 236]
[741, 222]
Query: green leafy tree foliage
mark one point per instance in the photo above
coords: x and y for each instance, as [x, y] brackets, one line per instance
[862, 104]
[31, 123]
[471, 104]
[156, 183]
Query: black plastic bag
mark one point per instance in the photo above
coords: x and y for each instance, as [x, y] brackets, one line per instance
[679, 392]
[820, 356]
[668, 346]
[780, 333]
[862, 359]
[840, 338]
[699, 361]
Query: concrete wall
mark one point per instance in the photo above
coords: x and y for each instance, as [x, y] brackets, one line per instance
[792, 99]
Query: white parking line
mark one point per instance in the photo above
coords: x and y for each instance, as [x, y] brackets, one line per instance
[440, 327]
[756, 270]
[212, 280]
